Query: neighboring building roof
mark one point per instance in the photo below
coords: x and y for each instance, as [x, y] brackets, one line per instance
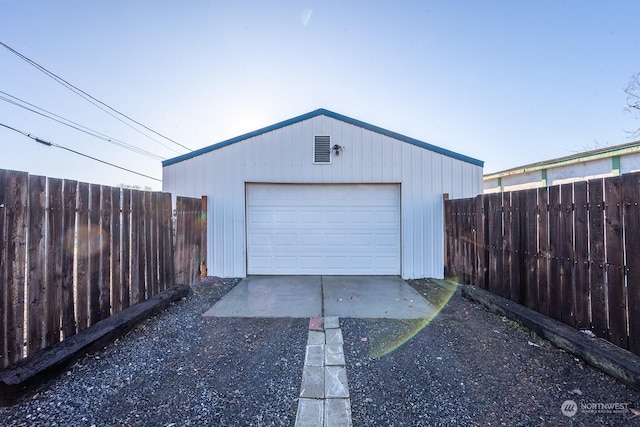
[600, 153]
[323, 112]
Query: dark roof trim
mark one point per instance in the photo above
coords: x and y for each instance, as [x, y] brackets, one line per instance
[323, 112]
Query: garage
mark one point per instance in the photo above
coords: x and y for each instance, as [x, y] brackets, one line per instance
[340, 229]
[324, 194]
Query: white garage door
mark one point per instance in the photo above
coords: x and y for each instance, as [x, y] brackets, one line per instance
[323, 229]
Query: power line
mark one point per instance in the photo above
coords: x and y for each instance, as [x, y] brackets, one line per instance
[92, 99]
[51, 144]
[62, 120]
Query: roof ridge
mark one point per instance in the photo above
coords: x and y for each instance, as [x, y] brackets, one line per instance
[328, 113]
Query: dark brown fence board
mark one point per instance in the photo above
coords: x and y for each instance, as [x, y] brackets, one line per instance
[555, 240]
[597, 259]
[567, 256]
[106, 208]
[631, 205]
[581, 254]
[125, 251]
[543, 251]
[153, 214]
[67, 295]
[36, 286]
[167, 219]
[3, 266]
[148, 245]
[495, 250]
[481, 263]
[17, 196]
[117, 260]
[530, 246]
[137, 240]
[83, 249]
[617, 303]
[95, 251]
[157, 239]
[509, 245]
[55, 251]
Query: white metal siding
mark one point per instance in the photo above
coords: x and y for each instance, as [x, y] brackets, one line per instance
[286, 156]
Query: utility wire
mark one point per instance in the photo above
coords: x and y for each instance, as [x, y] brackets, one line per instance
[51, 144]
[93, 100]
[62, 120]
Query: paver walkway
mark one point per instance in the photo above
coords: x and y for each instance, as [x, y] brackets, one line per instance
[324, 393]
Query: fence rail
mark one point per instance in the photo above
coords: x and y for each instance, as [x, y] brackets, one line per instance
[571, 252]
[73, 253]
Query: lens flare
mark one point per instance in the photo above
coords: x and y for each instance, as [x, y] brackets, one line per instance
[306, 16]
[385, 336]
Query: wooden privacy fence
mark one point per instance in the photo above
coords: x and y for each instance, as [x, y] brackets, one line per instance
[72, 254]
[191, 239]
[571, 252]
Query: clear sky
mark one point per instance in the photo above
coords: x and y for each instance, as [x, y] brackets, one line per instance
[509, 82]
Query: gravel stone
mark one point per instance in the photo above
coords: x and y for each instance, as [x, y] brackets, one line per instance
[470, 367]
[180, 369]
[467, 367]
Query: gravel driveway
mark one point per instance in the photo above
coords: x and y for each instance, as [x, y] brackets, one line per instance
[467, 367]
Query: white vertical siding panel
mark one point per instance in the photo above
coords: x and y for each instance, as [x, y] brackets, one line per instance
[408, 207]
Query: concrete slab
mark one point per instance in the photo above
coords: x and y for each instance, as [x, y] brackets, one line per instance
[311, 413]
[335, 382]
[337, 412]
[313, 382]
[387, 297]
[271, 296]
[305, 296]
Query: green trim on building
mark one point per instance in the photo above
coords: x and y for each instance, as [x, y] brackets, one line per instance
[615, 166]
[500, 184]
[543, 174]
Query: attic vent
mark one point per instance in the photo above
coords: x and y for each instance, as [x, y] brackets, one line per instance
[322, 149]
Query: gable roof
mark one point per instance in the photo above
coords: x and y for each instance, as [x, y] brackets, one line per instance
[324, 112]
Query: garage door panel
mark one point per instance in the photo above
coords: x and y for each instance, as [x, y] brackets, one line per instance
[323, 229]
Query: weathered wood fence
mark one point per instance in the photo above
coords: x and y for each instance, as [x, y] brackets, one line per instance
[571, 252]
[73, 253]
[191, 239]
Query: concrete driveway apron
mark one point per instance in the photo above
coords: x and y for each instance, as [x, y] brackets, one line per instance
[324, 393]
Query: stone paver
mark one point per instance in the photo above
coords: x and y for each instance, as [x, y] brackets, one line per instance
[335, 382]
[312, 382]
[315, 355]
[310, 413]
[333, 336]
[331, 322]
[337, 412]
[334, 355]
[315, 337]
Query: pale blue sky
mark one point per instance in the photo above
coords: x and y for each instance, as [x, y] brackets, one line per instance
[507, 82]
